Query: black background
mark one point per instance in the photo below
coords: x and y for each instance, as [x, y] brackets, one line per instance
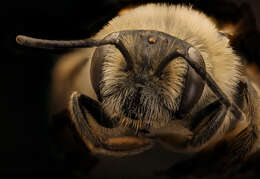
[25, 75]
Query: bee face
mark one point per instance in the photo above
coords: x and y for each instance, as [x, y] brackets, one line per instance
[145, 92]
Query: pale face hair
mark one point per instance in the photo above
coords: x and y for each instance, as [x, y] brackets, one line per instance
[138, 94]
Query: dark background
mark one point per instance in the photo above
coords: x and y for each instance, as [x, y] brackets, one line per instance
[25, 140]
[25, 78]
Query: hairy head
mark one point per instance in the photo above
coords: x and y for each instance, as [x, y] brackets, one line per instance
[149, 93]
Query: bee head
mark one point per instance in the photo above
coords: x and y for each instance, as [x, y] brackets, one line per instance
[147, 79]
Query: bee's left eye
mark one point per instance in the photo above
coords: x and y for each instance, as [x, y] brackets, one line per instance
[96, 72]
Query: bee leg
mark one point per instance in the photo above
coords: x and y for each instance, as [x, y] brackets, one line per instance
[205, 125]
[243, 142]
[212, 117]
[86, 115]
[234, 153]
[242, 145]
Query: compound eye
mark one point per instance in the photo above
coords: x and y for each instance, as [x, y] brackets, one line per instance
[194, 85]
[96, 72]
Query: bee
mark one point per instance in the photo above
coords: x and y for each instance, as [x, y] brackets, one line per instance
[156, 74]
